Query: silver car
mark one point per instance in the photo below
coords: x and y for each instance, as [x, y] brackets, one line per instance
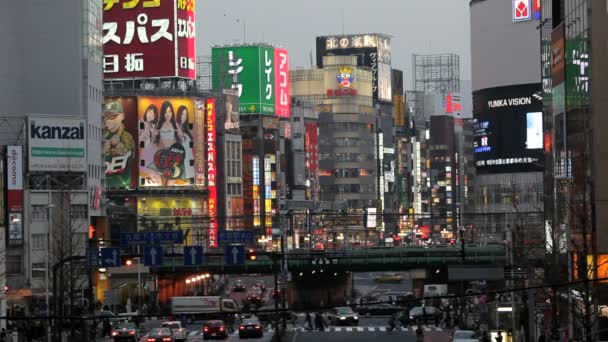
[178, 332]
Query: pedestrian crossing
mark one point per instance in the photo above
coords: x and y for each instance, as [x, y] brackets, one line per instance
[368, 329]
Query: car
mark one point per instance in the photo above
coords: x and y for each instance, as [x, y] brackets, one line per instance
[464, 336]
[125, 332]
[420, 314]
[250, 327]
[160, 335]
[255, 297]
[239, 286]
[379, 309]
[178, 332]
[215, 329]
[389, 278]
[260, 284]
[343, 315]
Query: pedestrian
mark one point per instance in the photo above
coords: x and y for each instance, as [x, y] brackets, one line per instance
[419, 334]
[3, 335]
[484, 337]
[498, 338]
[319, 322]
[308, 325]
[541, 338]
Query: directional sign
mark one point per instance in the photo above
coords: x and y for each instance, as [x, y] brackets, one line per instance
[110, 257]
[234, 255]
[193, 255]
[165, 237]
[235, 236]
[92, 257]
[153, 256]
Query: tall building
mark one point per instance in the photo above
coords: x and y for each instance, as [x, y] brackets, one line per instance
[574, 70]
[51, 125]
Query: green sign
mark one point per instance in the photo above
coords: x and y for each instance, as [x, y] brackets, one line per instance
[250, 71]
[577, 73]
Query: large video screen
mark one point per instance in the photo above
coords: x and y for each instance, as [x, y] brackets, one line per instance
[508, 129]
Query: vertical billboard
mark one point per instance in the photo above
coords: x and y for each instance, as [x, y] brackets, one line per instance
[57, 145]
[165, 141]
[250, 70]
[230, 111]
[311, 141]
[119, 148]
[149, 38]
[281, 83]
[14, 178]
[212, 169]
[199, 149]
[372, 50]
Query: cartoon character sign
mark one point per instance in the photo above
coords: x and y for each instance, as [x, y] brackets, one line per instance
[345, 77]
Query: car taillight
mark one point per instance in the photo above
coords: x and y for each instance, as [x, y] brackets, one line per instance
[151, 339]
[205, 329]
[131, 332]
[114, 333]
[242, 328]
[168, 339]
[222, 328]
[257, 327]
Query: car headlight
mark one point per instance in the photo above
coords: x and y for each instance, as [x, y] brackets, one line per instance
[342, 318]
[355, 317]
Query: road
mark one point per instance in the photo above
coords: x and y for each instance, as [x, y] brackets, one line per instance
[366, 286]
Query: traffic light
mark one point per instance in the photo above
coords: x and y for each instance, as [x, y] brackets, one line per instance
[127, 261]
[251, 255]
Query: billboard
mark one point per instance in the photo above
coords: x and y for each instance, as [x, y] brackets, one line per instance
[57, 144]
[521, 10]
[230, 111]
[212, 169]
[372, 51]
[508, 129]
[165, 141]
[199, 149]
[281, 83]
[14, 178]
[250, 70]
[151, 38]
[119, 147]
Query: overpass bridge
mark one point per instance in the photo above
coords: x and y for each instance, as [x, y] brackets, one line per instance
[357, 260]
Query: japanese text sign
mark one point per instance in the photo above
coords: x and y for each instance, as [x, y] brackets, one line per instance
[212, 170]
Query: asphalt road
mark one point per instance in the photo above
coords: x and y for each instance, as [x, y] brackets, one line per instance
[366, 286]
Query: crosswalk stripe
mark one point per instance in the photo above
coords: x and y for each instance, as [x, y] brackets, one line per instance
[349, 329]
[359, 329]
[382, 328]
[338, 329]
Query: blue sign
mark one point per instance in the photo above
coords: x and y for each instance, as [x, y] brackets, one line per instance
[193, 255]
[234, 255]
[153, 256]
[232, 236]
[92, 257]
[166, 237]
[110, 257]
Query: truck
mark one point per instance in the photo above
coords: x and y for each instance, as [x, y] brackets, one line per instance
[203, 307]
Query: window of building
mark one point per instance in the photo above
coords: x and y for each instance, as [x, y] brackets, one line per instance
[79, 211]
[39, 213]
[13, 264]
[39, 270]
[38, 241]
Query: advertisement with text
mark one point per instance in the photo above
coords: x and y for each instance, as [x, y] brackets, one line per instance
[119, 142]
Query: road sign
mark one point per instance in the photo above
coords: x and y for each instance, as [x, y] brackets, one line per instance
[234, 255]
[165, 237]
[92, 257]
[232, 236]
[193, 255]
[110, 257]
[153, 256]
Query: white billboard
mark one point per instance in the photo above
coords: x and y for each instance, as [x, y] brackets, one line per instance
[56, 144]
[14, 162]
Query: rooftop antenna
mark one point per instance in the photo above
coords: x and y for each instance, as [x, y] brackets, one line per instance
[342, 11]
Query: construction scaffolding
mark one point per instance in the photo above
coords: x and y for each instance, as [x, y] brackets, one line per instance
[436, 74]
[414, 107]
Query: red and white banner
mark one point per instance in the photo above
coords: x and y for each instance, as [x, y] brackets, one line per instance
[14, 178]
[281, 83]
[212, 170]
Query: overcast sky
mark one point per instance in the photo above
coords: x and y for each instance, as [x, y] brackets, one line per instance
[417, 26]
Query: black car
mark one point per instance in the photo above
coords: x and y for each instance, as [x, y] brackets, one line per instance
[250, 327]
[160, 335]
[343, 315]
[255, 297]
[379, 309]
[266, 314]
[420, 314]
[239, 286]
[125, 332]
[215, 329]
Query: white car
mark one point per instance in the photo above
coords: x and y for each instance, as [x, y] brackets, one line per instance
[179, 333]
[465, 336]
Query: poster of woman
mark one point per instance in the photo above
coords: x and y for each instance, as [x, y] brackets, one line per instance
[165, 141]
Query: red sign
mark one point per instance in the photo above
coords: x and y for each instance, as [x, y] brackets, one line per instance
[521, 10]
[141, 38]
[536, 5]
[186, 39]
[182, 211]
[212, 171]
[199, 148]
[311, 140]
[341, 92]
[281, 83]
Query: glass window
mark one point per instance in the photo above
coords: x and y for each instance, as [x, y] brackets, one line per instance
[13, 264]
[39, 270]
[38, 241]
[39, 213]
[79, 211]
